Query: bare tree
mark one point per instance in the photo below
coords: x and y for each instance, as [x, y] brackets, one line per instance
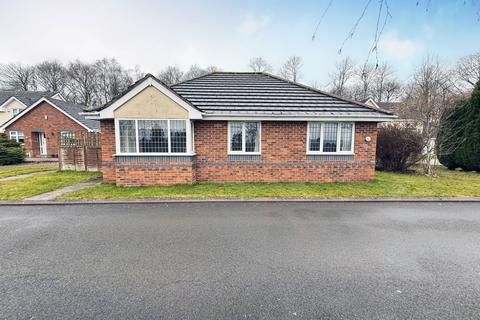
[135, 73]
[383, 74]
[468, 70]
[194, 72]
[315, 85]
[392, 90]
[171, 75]
[82, 87]
[428, 96]
[291, 69]
[344, 71]
[259, 64]
[211, 69]
[366, 76]
[112, 79]
[15, 76]
[52, 75]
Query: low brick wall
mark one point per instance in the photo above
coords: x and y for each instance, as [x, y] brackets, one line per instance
[283, 158]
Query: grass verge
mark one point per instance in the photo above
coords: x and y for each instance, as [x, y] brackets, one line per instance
[10, 171]
[448, 183]
[31, 186]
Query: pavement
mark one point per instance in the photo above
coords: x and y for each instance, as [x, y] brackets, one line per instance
[241, 261]
[52, 195]
[27, 175]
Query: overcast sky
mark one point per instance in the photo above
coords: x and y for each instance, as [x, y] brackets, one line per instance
[154, 34]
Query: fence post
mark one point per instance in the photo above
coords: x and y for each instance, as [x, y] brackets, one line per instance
[85, 155]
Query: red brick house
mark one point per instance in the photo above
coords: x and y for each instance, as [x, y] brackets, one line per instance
[235, 127]
[40, 126]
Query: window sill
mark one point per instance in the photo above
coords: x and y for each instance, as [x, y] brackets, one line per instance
[244, 153]
[155, 154]
[330, 153]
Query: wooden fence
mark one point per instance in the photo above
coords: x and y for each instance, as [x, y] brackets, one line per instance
[80, 151]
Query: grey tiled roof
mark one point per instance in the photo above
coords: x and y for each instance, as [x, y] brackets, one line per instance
[26, 97]
[74, 111]
[228, 93]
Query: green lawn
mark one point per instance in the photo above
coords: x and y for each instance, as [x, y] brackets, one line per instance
[9, 171]
[31, 186]
[448, 183]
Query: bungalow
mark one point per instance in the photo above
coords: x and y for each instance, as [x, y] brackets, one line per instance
[40, 126]
[235, 127]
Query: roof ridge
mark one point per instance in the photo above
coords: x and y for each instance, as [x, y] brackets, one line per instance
[326, 93]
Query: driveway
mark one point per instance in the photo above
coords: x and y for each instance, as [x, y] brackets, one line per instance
[241, 261]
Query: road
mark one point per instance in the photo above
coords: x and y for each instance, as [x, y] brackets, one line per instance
[241, 261]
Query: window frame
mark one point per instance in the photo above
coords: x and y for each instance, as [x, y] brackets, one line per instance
[18, 111]
[16, 136]
[188, 132]
[229, 145]
[338, 152]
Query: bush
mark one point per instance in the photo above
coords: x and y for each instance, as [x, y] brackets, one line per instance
[398, 148]
[459, 135]
[450, 134]
[11, 152]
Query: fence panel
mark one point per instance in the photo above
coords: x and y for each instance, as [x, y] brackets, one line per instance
[80, 151]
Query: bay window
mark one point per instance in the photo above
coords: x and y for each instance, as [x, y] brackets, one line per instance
[330, 137]
[160, 136]
[243, 137]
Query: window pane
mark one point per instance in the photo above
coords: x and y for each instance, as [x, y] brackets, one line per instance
[251, 137]
[21, 138]
[314, 136]
[330, 137]
[346, 137]
[235, 136]
[153, 136]
[67, 137]
[178, 136]
[127, 133]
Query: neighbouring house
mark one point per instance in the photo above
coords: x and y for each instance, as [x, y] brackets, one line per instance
[13, 102]
[396, 108]
[40, 125]
[404, 119]
[235, 127]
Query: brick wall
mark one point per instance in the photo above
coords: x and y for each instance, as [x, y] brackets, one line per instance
[136, 171]
[107, 146]
[283, 158]
[48, 118]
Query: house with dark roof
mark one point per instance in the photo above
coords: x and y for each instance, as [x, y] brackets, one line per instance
[40, 125]
[396, 108]
[13, 102]
[235, 127]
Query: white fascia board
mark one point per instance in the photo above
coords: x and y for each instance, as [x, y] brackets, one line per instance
[58, 96]
[10, 100]
[107, 113]
[298, 118]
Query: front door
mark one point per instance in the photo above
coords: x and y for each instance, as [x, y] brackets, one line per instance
[42, 142]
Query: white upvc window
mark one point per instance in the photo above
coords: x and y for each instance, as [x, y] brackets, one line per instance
[153, 136]
[15, 111]
[330, 137]
[17, 135]
[244, 137]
